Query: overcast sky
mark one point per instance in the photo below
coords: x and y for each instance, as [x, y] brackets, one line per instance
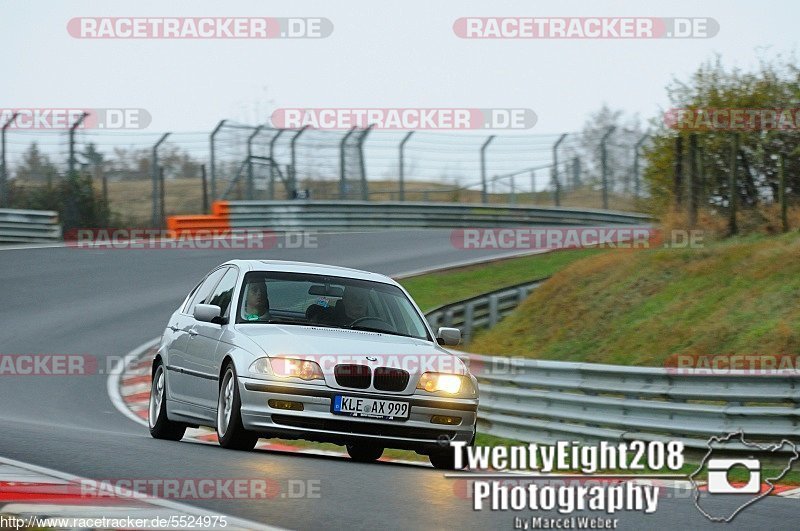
[380, 54]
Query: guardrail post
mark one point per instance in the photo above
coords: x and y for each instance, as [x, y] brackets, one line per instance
[604, 164]
[362, 167]
[448, 317]
[484, 197]
[342, 164]
[213, 159]
[556, 182]
[3, 175]
[293, 173]
[469, 312]
[155, 177]
[250, 175]
[403, 166]
[494, 317]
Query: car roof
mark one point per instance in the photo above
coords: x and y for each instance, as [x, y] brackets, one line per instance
[310, 268]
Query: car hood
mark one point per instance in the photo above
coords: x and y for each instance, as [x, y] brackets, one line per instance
[331, 346]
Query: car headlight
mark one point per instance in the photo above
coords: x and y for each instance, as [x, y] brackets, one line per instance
[452, 384]
[288, 368]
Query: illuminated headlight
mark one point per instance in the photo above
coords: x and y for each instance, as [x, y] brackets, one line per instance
[451, 384]
[288, 368]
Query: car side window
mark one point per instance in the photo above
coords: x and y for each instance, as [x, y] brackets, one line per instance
[206, 289]
[224, 292]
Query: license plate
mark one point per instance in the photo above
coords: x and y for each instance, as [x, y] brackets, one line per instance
[370, 407]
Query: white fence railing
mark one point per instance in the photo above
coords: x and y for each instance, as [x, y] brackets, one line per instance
[29, 226]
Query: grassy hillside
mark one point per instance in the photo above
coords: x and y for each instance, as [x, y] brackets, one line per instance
[639, 307]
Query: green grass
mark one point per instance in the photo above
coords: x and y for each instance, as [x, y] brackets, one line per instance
[640, 308]
[435, 289]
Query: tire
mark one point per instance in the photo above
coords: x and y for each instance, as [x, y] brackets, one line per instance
[230, 432]
[446, 459]
[364, 453]
[160, 426]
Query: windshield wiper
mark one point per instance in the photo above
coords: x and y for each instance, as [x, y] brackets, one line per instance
[379, 330]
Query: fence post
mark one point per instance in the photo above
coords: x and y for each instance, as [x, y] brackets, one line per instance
[732, 191]
[362, 166]
[782, 192]
[403, 165]
[293, 172]
[250, 174]
[4, 201]
[556, 182]
[213, 159]
[484, 197]
[272, 163]
[636, 176]
[205, 188]
[155, 177]
[342, 162]
[576, 171]
[162, 197]
[71, 161]
[604, 164]
[513, 190]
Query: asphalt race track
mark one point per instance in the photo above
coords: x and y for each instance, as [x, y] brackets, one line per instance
[106, 302]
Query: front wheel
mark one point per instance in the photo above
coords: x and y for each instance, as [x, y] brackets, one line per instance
[230, 432]
[364, 453]
[160, 426]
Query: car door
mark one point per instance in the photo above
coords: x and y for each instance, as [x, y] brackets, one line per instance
[203, 345]
[179, 380]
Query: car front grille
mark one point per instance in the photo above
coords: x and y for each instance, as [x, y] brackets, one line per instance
[353, 376]
[388, 379]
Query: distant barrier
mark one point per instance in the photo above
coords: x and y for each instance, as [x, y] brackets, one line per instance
[360, 215]
[29, 226]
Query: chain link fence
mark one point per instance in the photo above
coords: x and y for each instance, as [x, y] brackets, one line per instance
[140, 177]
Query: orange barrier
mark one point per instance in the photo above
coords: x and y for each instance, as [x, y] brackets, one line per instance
[218, 221]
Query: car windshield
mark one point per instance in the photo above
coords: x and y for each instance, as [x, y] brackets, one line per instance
[338, 302]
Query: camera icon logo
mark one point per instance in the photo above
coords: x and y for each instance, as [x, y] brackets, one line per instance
[718, 482]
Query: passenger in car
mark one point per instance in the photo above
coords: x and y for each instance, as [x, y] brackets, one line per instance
[256, 306]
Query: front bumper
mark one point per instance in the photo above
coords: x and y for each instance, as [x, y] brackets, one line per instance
[317, 423]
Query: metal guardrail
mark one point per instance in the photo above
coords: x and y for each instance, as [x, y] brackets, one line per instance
[482, 311]
[29, 226]
[546, 401]
[358, 215]
[550, 401]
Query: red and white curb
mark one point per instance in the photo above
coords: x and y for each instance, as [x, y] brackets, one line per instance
[36, 496]
[129, 390]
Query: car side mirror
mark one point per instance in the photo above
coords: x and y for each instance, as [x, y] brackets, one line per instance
[208, 313]
[448, 336]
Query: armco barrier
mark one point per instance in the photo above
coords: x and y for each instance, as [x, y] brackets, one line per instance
[360, 215]
[547, 401]
[482, 311]
[29, 226]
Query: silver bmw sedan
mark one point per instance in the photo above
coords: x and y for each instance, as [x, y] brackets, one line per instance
[296, 350]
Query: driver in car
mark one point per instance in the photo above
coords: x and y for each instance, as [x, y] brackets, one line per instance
[352, 306]
[256, 306]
